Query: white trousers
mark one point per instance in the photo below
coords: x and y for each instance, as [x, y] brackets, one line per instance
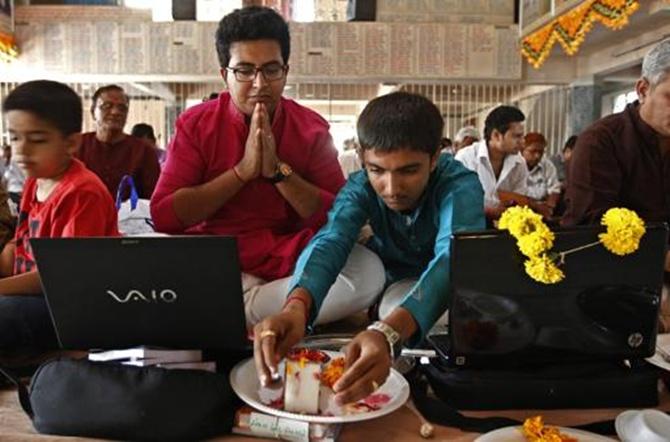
[395, 294]
[356, 288]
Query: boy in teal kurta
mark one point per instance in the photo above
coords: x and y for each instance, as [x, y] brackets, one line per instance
[414, 199]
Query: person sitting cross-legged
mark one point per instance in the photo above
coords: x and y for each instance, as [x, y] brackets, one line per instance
[61, 198]
[414, 199]
[260, 167]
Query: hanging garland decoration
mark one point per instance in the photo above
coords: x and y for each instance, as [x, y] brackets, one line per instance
[535, 241]
[8, 49]
[571, 28]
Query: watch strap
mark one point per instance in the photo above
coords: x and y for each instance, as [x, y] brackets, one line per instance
[392, 337]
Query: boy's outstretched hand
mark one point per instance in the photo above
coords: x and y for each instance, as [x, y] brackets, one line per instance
[274, 336]
[367, 365]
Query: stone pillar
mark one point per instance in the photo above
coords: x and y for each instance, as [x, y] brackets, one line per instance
[585, 101]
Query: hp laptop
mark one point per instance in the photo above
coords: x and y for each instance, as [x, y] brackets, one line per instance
[606, 308]
[177, 292]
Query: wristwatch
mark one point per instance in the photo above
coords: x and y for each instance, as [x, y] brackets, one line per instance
[282, 172]
[392, 337]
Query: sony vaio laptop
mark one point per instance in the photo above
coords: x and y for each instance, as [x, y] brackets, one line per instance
[109, 293]
[605, 308]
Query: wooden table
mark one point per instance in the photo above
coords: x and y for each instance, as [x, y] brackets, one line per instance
[402, 425]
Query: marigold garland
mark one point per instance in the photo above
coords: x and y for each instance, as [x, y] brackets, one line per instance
[520, 220]
[543, 269]
[571, 28]
[534, 430]
[534, 239]
[624, 231]
[8, 49]
[536, 243]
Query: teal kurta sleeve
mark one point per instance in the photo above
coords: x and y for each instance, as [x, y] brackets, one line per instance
[324, 257]
[460, 207]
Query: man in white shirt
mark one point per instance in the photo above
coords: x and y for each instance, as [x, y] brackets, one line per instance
[497, 160]
[543, 184]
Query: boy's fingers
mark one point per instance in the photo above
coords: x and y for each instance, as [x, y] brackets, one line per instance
[361, 387]
[355, 367]
[261, 368]
[268, 339]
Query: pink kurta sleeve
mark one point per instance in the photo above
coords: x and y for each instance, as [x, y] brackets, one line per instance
[183, 168]
[325, 173]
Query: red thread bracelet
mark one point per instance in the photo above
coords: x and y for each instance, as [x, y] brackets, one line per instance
[238, 175]
[304, 303]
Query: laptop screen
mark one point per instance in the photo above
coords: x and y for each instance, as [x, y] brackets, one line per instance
[178, 292]
[606, 307]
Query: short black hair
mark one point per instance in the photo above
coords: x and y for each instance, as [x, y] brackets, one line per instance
[251, 23]
[101, 90]
[570, 143]
[400, 120]
[500, 119]
[51, 101]
[143, 130]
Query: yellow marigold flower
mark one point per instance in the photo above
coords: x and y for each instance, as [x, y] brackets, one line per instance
[534, 430]
[537, 242]
[520, 221]
[542, 269]
[624, 230]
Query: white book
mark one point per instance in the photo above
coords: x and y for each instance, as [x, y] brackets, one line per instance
[157, 354]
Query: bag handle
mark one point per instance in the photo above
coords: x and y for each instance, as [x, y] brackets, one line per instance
[439, 412]
[127, 182]
[24, 397]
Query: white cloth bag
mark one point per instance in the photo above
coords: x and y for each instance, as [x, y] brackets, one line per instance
[134, 213]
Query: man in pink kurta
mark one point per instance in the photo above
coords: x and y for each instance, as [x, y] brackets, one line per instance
[260, 167]
[210, 140]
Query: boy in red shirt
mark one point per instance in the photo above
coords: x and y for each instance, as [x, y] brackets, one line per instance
[61, 198]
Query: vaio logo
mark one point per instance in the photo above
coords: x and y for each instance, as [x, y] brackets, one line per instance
[154, 296]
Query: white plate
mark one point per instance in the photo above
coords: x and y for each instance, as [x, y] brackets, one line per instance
[629, 430]
[622, 424]
[514, 434]
[663, 341]
[244, 380]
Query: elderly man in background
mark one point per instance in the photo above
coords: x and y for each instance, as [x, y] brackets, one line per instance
[623, 160]
[465, 136]
[110, 153]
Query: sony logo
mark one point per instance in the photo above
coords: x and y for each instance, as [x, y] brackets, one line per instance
[154, 296]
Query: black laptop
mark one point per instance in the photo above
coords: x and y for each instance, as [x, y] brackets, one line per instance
[177, 292]
[605, 308]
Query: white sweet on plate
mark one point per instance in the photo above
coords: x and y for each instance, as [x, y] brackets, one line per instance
[306, 387]
[302, 380]
[301, 388]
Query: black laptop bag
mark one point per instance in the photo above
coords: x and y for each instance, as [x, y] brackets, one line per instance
[467, 389]
[98, 399]
[602, 384]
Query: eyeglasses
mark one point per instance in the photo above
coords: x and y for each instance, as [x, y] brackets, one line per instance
[107, 106]
[270, 72]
